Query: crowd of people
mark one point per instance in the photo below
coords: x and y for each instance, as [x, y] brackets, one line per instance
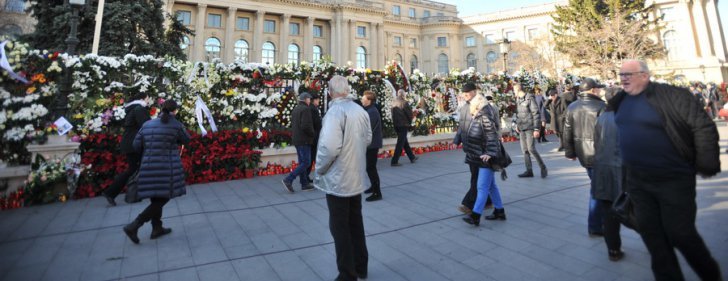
[646, 139]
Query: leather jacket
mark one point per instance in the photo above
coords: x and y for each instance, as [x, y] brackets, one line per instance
[527, 113]
[581, 117]
[482, 137]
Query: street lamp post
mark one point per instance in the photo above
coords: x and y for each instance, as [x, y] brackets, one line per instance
[61, 104]
[505, 48]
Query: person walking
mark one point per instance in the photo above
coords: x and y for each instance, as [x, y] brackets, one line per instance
[402, 119]
[469, 91]
[481, 145]
[607, 175]
[161, 176]
[666, 139]
[369, 102]
[553, 104]
[316, 118]
[581, 116]
[137, 113]
[304, 134]
[528, 121]
[541, 103]
[340, 173]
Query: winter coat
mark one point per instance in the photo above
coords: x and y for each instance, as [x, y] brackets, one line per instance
[690, 129]
[554, 107]
[482, 137]
[136, 115]
[375, 121]
[341, 158]
[464, 118]
[527, 114]
[161, 174]
[302, 125]
[316, 118]
[607, 177]
[402, 117]
[581, 116]
[541, 103]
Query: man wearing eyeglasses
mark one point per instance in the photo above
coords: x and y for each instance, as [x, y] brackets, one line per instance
[666, 138]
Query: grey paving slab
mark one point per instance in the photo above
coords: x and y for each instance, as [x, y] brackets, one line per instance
[252, 229]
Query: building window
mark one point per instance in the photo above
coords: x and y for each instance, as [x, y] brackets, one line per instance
[440, 14]
[242, 24]
[413, 42]
[489, 39]
[510, 35]
[472, 61]
[317, 53]
[361, 31]
[398, 59]
[361, 57]
[397, 41]
[669, 38]
[318, 31]
[470, 41]
[212, 48]
[667, 13]
[490, 59]
[214, 20]
[269, 26]
[185, 43]
[442, 41]
[532, 34]
[293, 54]
[413, 63]
[426, 14]
[412, 13]
[241, 51]
[269, 53]
[184, 17]
[295, 29]
[15, 6]
[395, 10]
[442, 64]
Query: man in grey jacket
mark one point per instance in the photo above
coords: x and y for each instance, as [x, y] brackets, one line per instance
[528, 120]
[341, 174]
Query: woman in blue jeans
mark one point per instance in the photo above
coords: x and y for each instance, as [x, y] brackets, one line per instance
[482, 145]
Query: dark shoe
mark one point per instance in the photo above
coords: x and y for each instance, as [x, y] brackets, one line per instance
[596, 234]
[396, 164]
[498, 214]
[111, 201]
[473, 218]
[464, 209]
[526, 174]
[161, 231]
[288, 186]
[616, 255]
[560, 149]
[413, 160]
[544, 172]
[369, 190]
[131, 230]
[308, 187]
[374, 197]
[361, 275]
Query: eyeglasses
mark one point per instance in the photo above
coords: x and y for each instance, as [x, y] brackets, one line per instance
[628, 74]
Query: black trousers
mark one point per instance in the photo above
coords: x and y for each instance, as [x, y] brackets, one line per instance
[153, 212]
[611, 226]
[347, 228]
[472, 194]
[402, 143]
[542, 133]
[372, 169]
[313, 157]
[665, 209]
[134, 160]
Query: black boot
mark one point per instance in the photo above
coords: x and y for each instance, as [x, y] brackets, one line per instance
[473, 218]
[158, 230]
[498, 214]
[131, 230]
[376, 196]
[526, 174]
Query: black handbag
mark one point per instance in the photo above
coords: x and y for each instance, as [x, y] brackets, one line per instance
[132, 189]
[623, 209]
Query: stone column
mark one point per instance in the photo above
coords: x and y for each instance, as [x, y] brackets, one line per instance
[381, 47]
[688, 47]
[283, 48]
[308, 40]
[254, 52]
[701, 27]
[170, 7]
[353, 44]
[229, 43]
[716, 30]
[406, 54]
[387, 46]
[373, 47]
[199, 50]
[335, 37]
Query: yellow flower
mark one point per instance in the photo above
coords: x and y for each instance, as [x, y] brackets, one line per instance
[101, 102]
[369, 71]
[246, 130]
[78, 116]
[30, 90]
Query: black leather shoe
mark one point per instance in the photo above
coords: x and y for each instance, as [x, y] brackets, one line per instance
[413, 160]
[498, 214]
[526, 174]
[131, 230]
[473, 219]
[111, 201]
[616, 255]
[374, 197]
[544, 172]
[369, 190]
[156, 233]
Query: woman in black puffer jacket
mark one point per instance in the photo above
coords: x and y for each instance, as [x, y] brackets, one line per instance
[481, 146]
[161, 176]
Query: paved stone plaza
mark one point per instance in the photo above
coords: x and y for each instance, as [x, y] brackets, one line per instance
[253, 230]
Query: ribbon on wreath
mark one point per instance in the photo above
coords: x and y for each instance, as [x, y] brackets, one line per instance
[201, 107]
[5, 64]
[194, 73]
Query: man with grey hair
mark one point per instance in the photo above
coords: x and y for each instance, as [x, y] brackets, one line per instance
[666, 138]
[341, 174]
[303, 137]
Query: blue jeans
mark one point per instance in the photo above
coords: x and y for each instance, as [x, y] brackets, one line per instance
[304, 161]
[596, 217]
[487, 186]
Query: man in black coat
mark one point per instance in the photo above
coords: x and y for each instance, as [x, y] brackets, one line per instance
[369, 102]
[303, 137]
[581, 117]
[528, 121]
[316, 118]
[666, 138]
[137, 113]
